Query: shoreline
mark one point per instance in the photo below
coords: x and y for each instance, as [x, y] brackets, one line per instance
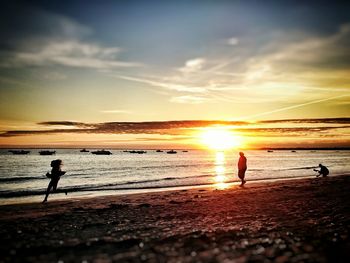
[79, 194]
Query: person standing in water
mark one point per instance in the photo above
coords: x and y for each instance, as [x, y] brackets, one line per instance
[55, 176]
[242, 167]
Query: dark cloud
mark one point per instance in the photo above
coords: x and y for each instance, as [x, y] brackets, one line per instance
[319, 120]
[21, 22]
[65, 123]
[179, 127]
[293, 130]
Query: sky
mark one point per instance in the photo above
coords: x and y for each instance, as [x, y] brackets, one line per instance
[157, 74]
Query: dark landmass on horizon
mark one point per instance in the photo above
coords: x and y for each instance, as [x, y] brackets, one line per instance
[340, 148]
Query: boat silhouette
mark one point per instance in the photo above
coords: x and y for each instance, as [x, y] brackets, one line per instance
[47, 152]
[101, 152]
[171, 152]
[84, 151]
[19, 152]
[139, 152]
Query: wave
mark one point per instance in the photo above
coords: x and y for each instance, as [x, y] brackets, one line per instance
[20, 179]
[127, 186]
[300, 168]
[286, 169]
[83, 175]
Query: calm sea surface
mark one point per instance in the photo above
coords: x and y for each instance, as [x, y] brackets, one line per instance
[22, 177]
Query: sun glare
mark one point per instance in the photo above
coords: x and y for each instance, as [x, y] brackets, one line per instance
[220, 139]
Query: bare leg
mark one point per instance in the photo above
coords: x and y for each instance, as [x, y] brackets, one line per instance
[53, 185]
[48, 191]
[241, 174]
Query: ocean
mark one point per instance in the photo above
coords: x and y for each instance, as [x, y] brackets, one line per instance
[22, 177]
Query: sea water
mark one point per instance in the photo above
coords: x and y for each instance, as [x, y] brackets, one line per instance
[22, 177]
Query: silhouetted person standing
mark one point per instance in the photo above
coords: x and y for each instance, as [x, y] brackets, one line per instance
[323, 171]
[242, 167]
[55, 176]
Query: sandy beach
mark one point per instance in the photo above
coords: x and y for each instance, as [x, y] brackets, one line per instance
[305, 220]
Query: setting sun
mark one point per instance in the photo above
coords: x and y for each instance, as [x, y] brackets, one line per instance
[220, 139]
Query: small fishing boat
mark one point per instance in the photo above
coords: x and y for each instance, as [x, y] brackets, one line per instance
[269, 151]
[101, 152]
[47, 152]
[84, 151]
[19, 152]
[185, 151]
[138, 152]
[171, 152]
[293, 151]
[159, 151]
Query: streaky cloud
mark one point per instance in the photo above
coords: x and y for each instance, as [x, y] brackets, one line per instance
[181, 127]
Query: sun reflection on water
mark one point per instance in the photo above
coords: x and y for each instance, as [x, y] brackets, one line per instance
[220, 177]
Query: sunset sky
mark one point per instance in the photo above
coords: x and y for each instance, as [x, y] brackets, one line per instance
[157, 74]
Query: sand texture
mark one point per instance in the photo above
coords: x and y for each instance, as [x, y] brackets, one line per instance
[305, 220]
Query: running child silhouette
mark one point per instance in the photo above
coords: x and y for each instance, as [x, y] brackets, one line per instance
[55, 176]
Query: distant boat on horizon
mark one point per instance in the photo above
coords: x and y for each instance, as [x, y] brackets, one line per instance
[138, 152]
[18, 152]
[293, 151]
[47, 152]
[269, 151]
[185, 151]
[84, 151]
[171, 152]
[159, 151]
[101, 152]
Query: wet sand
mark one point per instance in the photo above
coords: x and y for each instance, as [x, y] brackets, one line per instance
[306, 220]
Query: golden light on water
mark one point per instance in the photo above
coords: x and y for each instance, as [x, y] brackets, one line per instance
[220, 177]
[220, 138]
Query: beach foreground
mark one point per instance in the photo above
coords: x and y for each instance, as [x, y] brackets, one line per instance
[306, 220]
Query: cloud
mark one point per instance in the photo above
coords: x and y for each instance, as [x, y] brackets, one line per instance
[48, 39]
[31, 25]
[288, 66]
[233, 41]
[189, 99]
[53, 75]
[117, 111]
[307, 60]
[193, 65]
[63, 123]
[322, 120]
[164, 84]
[293, 130]
[69, 53]
[184, 127]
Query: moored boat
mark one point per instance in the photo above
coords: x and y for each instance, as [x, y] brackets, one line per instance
[101, 152]
[19, 152]
[84, 151]
[171, 152]
[47, 152]
[139, 152]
